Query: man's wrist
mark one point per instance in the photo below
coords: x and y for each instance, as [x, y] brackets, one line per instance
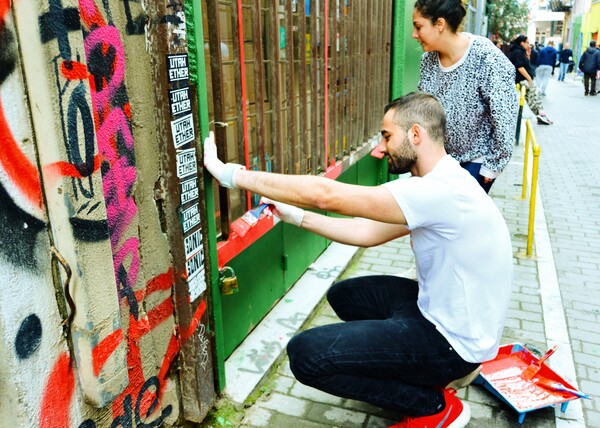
[227, 178]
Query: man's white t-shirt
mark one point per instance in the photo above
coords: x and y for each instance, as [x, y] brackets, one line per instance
[463, 254]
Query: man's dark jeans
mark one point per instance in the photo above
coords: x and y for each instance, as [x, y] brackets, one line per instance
[386, 353]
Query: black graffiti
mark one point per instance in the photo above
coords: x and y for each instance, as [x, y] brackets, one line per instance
[28, 337]
[79, 108]
[89, 230]
[134, 26]
[19, 231]
[56, 24]
[126, 290]
[8, 52]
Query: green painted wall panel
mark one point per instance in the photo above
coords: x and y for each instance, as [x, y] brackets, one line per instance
[260, 280]
[301, 249]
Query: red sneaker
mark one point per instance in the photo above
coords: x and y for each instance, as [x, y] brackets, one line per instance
[456, 414]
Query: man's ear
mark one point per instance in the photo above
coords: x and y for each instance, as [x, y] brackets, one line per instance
[418, 133]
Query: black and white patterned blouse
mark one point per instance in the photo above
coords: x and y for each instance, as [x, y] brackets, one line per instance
[480, 99]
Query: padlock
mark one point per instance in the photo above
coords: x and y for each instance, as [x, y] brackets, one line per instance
[228, 283]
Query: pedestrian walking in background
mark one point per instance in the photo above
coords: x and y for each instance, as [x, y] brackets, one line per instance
[402, 341]
[532, 53]
[518, 56]
[565, 58]
[474, 81]
[589, 64]
[545, 61]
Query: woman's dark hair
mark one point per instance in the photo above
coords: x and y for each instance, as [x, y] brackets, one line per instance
[518, 40]
[453, 11]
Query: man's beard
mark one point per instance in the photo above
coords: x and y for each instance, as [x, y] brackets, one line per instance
[402, 163]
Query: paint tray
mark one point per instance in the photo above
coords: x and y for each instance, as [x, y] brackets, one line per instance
[502, 377]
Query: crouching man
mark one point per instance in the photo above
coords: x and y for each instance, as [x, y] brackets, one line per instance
[402, 341]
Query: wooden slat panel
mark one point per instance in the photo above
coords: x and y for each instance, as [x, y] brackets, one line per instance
[259, 78]
[303, 137]
[275, 87]
[292, 139]
[218, 87]
[238, 90]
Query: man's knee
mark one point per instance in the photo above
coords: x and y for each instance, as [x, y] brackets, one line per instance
[301, 353]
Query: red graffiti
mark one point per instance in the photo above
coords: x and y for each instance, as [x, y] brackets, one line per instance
[4, 7]
[17, 166]
[60, 386]
[58, 395]
[100, 354]
[73, 70]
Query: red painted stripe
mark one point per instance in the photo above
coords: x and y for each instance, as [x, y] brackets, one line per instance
[102, 352]
[58, 393]
[172, 350]
[17, 166]
[334, 170]
[227, 250]
[4, 7]
[66, 169]
[162, 282]
[185, 335]
[159, 313]
[73, 70]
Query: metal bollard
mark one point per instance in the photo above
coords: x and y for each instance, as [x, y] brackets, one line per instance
[528, 137]
[534, 179]
[522, 90]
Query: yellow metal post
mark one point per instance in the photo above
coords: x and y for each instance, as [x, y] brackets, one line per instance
[528, 138]
[522, 90]
[534, 179]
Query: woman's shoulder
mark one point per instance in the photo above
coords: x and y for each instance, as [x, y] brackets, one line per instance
[488, 54]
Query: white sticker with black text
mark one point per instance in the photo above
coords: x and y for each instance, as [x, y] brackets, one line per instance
[180, 102]
[177, 66]
[189, 190]
[186, 163]
[192, 243]
[190, 218]
[182, 130]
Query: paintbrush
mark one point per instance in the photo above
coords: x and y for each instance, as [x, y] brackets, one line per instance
[557, 386]
[246, 222]
[535, 367]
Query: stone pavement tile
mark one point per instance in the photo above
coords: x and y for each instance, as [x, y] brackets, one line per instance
[372, 410]
[257, 417]
[306, 392]
[377, 422]
[283, 421]
[285, 404]
[336, 416]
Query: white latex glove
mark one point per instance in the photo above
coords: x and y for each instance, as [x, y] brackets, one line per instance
[288, 213]
[224, 172]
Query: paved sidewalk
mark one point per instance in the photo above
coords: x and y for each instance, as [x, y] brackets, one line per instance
[556, 294]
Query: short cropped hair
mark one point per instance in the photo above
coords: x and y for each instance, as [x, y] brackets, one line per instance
[593, 44]
[423, 109]
[453, 11]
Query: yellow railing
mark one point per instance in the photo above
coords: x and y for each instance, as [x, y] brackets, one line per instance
[530, 140]
[522, 91]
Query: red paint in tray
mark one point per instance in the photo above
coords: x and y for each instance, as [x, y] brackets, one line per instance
[502, 377]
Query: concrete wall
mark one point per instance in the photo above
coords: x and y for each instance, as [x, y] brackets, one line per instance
[88, 330]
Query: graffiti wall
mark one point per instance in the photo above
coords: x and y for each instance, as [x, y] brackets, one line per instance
[89, 329]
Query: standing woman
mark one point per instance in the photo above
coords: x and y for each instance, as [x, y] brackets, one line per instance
[475, 83]
[524, 76]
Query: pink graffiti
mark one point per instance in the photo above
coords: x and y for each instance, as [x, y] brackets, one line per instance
[107, 36]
